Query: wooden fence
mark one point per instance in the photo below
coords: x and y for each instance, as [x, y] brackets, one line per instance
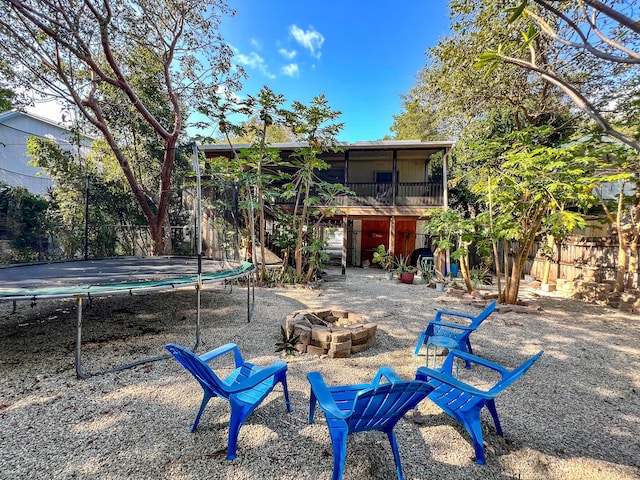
[578, 259]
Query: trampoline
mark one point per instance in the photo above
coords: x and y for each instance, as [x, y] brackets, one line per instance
[83, 279]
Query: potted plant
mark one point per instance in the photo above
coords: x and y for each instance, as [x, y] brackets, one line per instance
[404, 269]
[385, 259]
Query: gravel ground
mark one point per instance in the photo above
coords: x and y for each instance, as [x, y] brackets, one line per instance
[574, 415]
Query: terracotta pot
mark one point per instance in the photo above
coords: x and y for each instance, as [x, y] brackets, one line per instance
[406, 277]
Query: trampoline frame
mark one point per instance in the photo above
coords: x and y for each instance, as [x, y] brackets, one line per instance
[88, 291]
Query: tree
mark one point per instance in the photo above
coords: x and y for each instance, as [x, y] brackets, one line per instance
[268, 177]
[617, 164]
[450, 95]
[316, 125]
[144, 61]
[534, 190]
[92, 187]
[592, 33]
[456, 232]
[513, 131]
[7, 95]
[603, 36]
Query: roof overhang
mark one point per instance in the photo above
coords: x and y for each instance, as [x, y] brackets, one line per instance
[379, 145]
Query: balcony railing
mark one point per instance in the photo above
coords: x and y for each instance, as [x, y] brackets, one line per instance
[370, 194]
[402, 194]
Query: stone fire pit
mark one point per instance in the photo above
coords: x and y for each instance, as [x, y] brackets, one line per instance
[333, 332]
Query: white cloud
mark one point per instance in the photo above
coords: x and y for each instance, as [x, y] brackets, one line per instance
[291, 70]
[288, 54]
[256, 44]
[253, 60]
[310, 39]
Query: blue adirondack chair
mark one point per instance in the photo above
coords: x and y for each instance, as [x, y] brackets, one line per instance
[464, 402]
[357, 408]
[459, 333]
[244, 388]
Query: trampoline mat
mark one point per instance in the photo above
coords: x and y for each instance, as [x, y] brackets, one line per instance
[110, 275]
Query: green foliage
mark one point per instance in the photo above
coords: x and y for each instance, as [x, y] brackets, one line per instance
[287, 343]
[382, 257]
[134, 70]
[607, 48]
[268, 180]
[24, 222]
[480, 276]
[316, 257]
[112, 210]
[6, 99]
[402, 265]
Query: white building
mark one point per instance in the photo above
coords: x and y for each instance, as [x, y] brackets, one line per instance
[15, 168]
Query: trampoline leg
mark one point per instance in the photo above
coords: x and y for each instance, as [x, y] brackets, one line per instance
[251, 296]
[198, 289]
[79, 372]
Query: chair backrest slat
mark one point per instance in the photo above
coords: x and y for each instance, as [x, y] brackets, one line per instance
[199, 369]
[379, 407]
[454, 398]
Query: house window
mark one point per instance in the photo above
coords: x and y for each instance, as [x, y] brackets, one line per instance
[384, 177]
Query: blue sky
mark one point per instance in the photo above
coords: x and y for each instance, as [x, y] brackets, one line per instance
[362, 55]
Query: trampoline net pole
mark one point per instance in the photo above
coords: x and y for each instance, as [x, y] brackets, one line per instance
[196, 167]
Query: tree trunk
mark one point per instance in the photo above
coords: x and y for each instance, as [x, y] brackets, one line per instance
[633, 261]
[285, 261]
[464, 270]
[513, 286]
[299, 240]
[621, 269]
[496, 255]
[548, 260]
[505, 256]
[167, 237]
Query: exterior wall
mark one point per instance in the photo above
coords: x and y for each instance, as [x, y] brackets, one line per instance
[405, 237]
[357, 243]
[411, 171]
[365, 171]
[374, 232]
[15, 169]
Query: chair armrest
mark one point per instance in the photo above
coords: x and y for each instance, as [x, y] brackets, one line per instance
[205, 357]
[425, 374]
[439, 314]
[259, 377]
[324, 397]
[451, 325]
[388, 374]
[479, 361]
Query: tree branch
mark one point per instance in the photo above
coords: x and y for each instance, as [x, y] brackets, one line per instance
[631, 58]
[578, 99]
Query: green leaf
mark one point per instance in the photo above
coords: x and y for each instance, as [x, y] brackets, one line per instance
[517, 11]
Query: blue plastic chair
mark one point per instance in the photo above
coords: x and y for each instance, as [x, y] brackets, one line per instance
[464, 402]
[357, 408]
[459, 333]
[244, 388]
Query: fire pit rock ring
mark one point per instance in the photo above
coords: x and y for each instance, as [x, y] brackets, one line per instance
[336, 333]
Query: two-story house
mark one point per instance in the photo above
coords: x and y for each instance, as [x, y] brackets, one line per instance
[395, 183]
